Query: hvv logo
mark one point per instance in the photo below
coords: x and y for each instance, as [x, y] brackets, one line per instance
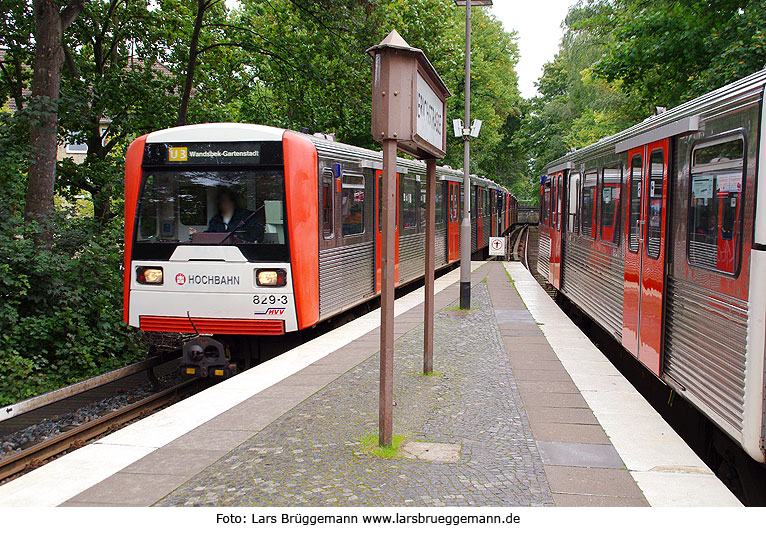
[271, 312]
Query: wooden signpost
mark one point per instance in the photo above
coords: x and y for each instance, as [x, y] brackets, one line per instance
[408, 114]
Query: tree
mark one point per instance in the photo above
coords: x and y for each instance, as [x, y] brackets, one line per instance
[203, 6]
[666, 53]
[114, 88]
[50, 22]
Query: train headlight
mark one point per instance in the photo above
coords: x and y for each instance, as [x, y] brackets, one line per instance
[149, 275]
[271, 277]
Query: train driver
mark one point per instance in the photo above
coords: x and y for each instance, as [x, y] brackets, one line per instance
[231, 217]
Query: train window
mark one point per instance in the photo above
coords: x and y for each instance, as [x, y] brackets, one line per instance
[588, 205]
[474, 215]
[545, 202]
[654, 204]
[715, 205]
[409, 196]
[574, 188]
[611, 185]
[214, 207]
[328, 205]
[634, 212]
[487, 207]
[440, 201]
[352, 204]
[423, 205]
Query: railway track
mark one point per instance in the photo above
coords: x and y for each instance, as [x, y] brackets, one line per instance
[40, 453]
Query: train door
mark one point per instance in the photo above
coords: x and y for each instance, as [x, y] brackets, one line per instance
[493, 211]
[479, 217]
[453, 221]
[379, 229]
[554, 273]
[645, 253]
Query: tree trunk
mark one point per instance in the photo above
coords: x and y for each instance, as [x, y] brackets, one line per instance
[202, 6]
[50, 24]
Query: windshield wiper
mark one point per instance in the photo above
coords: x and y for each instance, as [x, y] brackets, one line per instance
[240, 224]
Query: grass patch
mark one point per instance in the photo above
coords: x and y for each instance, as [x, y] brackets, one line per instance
[370, 446]
[457, 307]
[431, 374]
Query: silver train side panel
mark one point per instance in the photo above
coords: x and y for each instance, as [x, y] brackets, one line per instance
[346, 277]
[706, 333]
[440, 258]
[411, 256]
[544, 254]
[594, 281]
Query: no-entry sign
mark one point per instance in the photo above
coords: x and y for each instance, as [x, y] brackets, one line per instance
[497, 246]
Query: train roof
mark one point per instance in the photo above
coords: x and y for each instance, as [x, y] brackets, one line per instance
[737, 94]
[223, 132]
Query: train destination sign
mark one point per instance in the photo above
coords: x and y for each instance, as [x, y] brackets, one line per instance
[213, 153]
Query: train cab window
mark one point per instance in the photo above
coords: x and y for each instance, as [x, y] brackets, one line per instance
[574, 189]
[191, 205]
[352, 204]
[588, 205]
[212, 207]
[635, 181]
[409, 193]
[715, 205]
[328, 205]
[487, 207]
[474, 214]
[654, 204]
[611, 185]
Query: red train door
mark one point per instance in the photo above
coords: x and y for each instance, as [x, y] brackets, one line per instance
[453, 221]
[645, 253]
[555, 263]
[379, 231]
[493, 211]
[479, 217]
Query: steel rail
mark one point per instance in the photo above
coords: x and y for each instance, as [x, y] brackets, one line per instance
[38, 454]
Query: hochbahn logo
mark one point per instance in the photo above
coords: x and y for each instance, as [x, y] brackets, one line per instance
[215, 280]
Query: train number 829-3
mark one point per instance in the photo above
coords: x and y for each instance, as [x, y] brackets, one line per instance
[269, 299]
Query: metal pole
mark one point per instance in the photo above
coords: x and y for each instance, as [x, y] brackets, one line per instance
[465, 223]
[428, 341]
[387, 263]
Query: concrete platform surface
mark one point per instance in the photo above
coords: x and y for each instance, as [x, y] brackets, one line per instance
[522, 410]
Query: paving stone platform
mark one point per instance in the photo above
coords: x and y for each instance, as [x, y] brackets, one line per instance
[500, 396]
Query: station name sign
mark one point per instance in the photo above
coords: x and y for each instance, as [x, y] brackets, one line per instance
[430, 114]
[408, 99]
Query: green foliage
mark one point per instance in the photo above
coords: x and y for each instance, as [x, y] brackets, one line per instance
[60, 308]
[669, 52]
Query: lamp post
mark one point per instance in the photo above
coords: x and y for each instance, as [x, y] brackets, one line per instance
[465, 223]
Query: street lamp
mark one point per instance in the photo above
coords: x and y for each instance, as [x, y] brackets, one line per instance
[465, 223]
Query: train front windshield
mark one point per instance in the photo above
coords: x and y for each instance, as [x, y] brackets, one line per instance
[243, 207]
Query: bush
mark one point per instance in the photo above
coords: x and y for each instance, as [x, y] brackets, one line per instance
[60, 308]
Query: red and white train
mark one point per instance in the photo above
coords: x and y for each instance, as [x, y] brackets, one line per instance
[658, 233]
[238, 230]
